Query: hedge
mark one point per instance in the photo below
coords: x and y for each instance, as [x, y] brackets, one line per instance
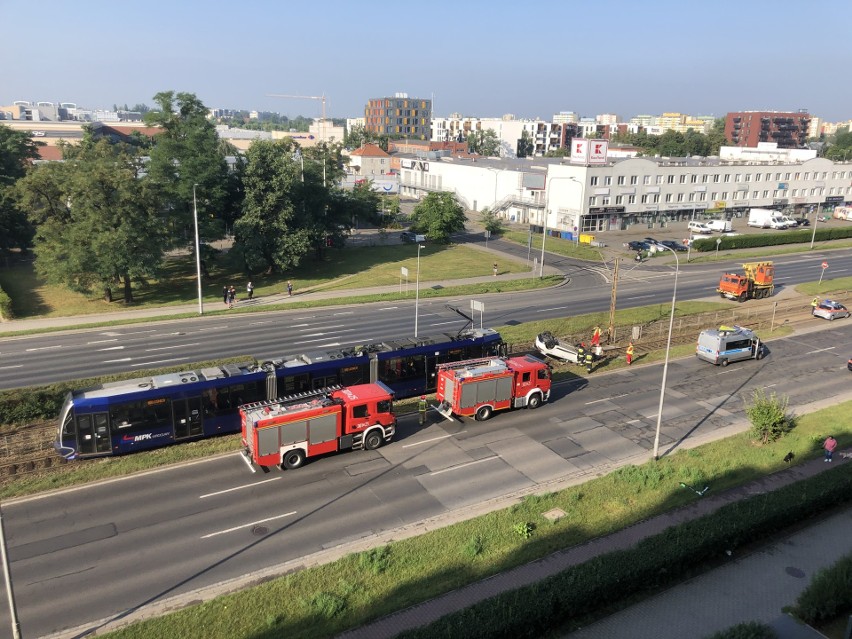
[799, 236]
[657, 562]
[828, 595]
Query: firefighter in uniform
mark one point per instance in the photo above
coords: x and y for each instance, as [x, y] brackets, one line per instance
[589, 359]
[422, 406]
[581, 353]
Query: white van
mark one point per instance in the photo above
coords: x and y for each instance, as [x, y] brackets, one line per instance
[699, 227]
[723, 226]
[789, 221]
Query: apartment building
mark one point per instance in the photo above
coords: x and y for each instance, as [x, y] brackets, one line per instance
[399, 116]
[747, 128]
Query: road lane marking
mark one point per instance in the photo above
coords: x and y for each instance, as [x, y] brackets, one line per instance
[434, 439]
[555, 308]
[111, 348]
[639, 297]
[43, 348]
[161, 361]
[3, 368]
[102, 341]
[254, 523]
[478, 461]
[821, 350]
[169, 348]
[388, 308]
[117, 361]
[230, 490]
[606, 399]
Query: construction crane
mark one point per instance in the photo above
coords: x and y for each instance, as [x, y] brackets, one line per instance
[306, 97]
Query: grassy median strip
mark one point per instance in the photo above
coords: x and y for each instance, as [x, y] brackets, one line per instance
[325, 600]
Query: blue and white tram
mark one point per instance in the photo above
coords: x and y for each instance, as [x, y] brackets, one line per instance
[142, 413]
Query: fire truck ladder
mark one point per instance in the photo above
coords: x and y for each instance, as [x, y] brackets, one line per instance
[295, 397]
[468, 363]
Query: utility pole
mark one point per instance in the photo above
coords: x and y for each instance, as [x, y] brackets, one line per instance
[610, 332]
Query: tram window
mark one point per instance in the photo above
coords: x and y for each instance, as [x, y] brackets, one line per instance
[404, 368]
[294, 384]
[210, 401]
[68, 426]
[140, 415]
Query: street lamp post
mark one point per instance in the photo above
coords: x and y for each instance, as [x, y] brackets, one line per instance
[417, 290]
[816, 221]
[668, 347]
[197, 250]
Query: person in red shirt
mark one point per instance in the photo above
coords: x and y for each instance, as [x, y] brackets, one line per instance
[829, 445]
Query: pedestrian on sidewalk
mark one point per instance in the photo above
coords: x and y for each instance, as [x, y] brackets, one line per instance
[225, 295]
[829, 445]
[232, 296]
[630, 353]
[250, 290]
[289, 288]
[494, 268]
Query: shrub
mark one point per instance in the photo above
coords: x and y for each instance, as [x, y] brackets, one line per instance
[768, 416]
[524, 529]
[473, 547]
[748, 630]
[376, 560]
[828, 595]
[328, 604]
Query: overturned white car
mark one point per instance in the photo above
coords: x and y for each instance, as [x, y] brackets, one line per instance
[548, 345]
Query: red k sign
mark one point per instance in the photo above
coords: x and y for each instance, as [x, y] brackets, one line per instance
[825, 264]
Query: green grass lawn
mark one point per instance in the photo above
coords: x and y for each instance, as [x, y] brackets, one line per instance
[342, 269]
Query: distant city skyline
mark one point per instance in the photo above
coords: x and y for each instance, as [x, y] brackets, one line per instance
[477, 58]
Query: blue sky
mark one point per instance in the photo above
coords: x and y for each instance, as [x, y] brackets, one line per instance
[475, 57]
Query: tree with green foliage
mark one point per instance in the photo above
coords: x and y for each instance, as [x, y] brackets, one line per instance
[365, 203]
[188, 153]
[839, 147]
[491, 222]
[99, 222]
[561, 152]
[438, 215]
[274, 234]
[526, 148]
[358, 136]
[768, 416]
[484, 143]
[17, 151]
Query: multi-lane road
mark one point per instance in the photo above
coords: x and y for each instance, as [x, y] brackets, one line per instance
[47, 358]
[101, 551]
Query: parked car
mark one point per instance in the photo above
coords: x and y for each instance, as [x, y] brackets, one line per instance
[828, 309]
[411, 237]
[637, 245]
[650, 240]
[699, 227]
[677, 246]
[802, 221]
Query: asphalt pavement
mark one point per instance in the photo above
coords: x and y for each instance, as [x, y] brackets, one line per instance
[753, 587]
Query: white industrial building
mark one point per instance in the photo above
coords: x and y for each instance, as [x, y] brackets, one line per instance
[621, 193]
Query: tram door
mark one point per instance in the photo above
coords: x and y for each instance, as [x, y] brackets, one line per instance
[93, 434]
[187, 414]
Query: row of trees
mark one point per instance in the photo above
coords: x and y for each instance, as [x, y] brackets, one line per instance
[107, 215]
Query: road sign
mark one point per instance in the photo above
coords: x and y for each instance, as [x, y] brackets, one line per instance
[825, 264]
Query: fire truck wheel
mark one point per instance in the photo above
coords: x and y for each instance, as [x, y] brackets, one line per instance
[293, 459]
[535, 401]
[483, 413]
[373, 440]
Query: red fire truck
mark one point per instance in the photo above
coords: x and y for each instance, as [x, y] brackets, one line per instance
[478, 387]
[288, 430]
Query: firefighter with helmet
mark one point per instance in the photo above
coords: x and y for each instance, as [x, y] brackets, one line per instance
[422, 407]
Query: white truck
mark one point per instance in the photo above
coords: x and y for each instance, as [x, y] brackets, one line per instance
[766, 219]
[843, 213]
[722, 226]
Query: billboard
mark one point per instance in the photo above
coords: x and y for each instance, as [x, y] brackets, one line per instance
[588, 151]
